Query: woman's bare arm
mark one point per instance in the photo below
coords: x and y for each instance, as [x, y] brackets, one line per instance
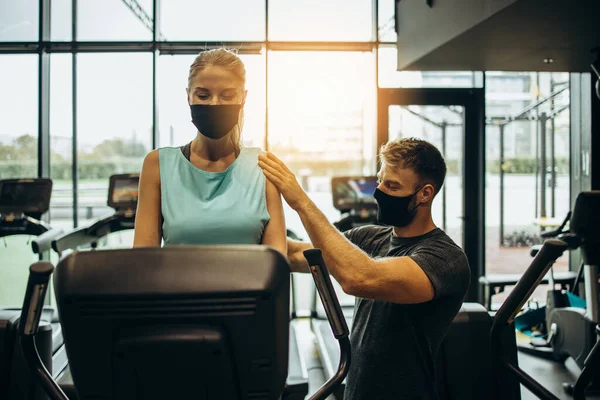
[148, 219]
[274, 234]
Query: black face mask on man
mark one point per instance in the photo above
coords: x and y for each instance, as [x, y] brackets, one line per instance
[394, 210]
[215, 121]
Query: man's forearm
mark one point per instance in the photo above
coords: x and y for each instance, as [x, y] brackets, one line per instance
[346, 262]
[296, 255]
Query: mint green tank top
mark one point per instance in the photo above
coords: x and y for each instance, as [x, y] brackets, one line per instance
[201, 207]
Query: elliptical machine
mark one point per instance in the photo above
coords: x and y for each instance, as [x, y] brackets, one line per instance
[23, 202]
[574, 329]
[123, 198]
[537, 322]
[187, 321]
[588, 379]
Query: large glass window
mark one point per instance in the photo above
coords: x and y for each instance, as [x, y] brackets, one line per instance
[114, 121]
[527, 172]
[19, 20]
[223, 20]
[61, 20]
[61, 140]
[322, 120]
[321, 21]
[101, 20]
[176, 128]
[18, 116]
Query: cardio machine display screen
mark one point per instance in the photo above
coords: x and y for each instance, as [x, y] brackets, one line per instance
[123, 191]
[353, 192]
[25, 195]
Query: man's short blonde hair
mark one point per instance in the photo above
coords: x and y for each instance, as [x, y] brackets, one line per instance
[420, 156]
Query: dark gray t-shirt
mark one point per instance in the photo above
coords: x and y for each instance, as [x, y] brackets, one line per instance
[394, 345]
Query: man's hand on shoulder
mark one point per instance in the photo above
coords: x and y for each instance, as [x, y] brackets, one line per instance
[285, 181]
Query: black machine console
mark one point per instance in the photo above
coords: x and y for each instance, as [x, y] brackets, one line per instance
[353, 197]
[123, 191]
[25, 196]
[22, 204]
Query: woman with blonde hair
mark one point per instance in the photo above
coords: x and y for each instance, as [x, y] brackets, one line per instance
[211, 190]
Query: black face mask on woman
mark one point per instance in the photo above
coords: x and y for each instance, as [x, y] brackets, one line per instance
[394, 210]
[215, 121]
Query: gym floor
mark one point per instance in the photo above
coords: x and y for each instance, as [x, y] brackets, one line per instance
[551, 375]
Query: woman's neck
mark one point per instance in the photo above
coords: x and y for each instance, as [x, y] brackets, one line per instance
[212, 149]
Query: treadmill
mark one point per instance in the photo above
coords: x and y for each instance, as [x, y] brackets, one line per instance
[466, 347]
[123, 197]
[23, 202]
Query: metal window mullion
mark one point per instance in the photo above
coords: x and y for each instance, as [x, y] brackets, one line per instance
[74, 163]
[155, 59]
[44, 91]
[266, 47]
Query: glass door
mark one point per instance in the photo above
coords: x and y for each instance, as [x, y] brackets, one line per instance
[453, 121]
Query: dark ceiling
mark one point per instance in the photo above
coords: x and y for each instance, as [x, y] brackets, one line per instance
[502, 35]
